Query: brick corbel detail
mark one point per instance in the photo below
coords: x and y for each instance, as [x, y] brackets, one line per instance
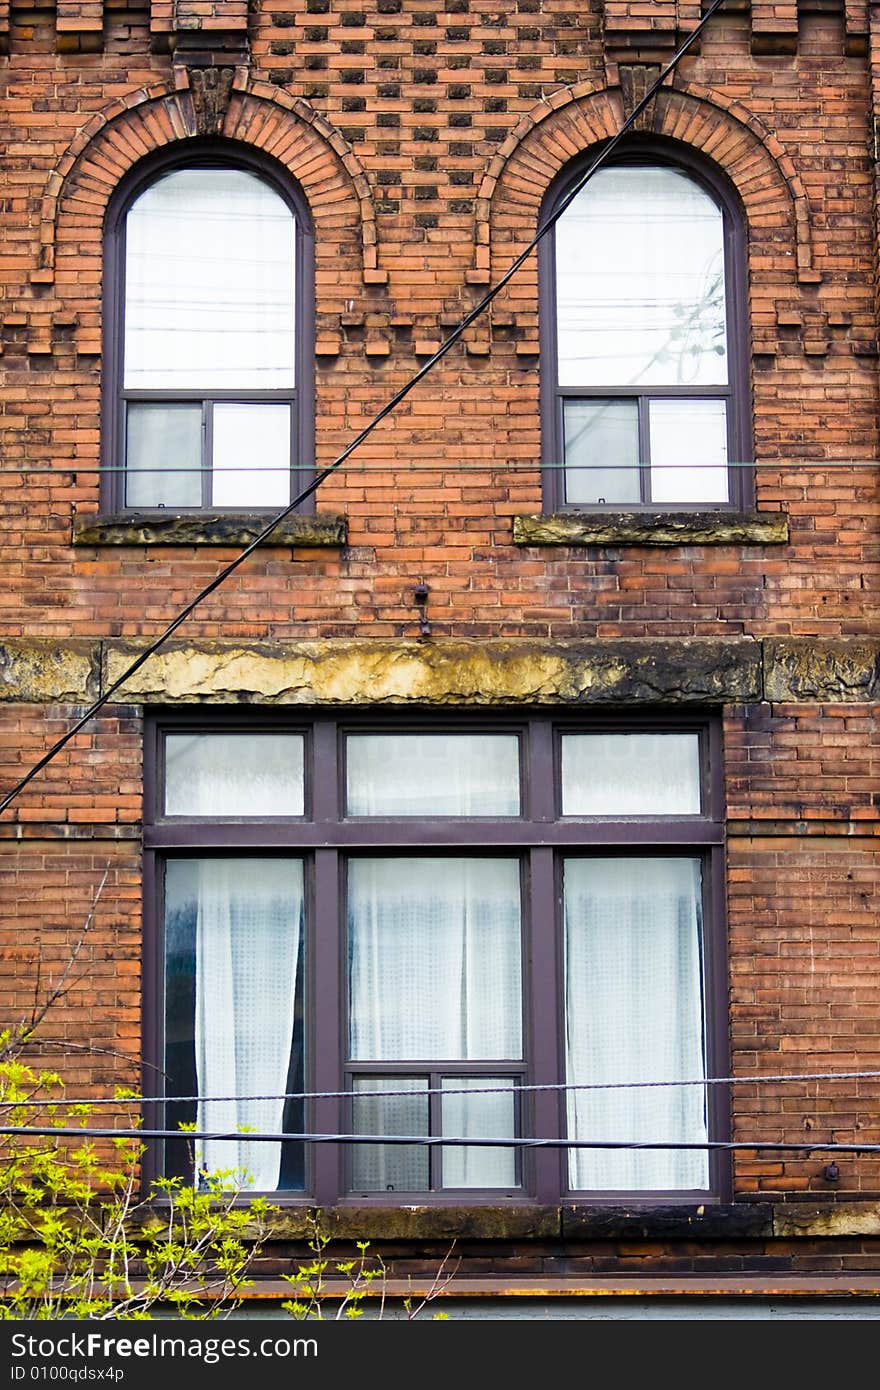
[855, 14]
[636, 33]
[79, 26]
[205, 26]
[774, 26]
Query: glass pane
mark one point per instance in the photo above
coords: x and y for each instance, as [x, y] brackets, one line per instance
[163, 454]
[601, 449]
[432, 775]
[390, 1167]
[209, 283]
[640, 282]
[630, 775]
[234, 1012]
[434, 959]
[634, 1014]
[481, 1115]
[234, 775]
[251, 462]
[688, 451]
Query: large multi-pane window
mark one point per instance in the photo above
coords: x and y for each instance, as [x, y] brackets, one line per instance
[644, 362]
[208, 329]
[439, 939]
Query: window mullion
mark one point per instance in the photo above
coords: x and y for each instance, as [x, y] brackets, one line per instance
[645, 448]
[324, 1037]
[435, 1128]
[328, 1053]
[298, 479]
[207, 458]
[324, 788]
[543, 1039]
[539, 800]
[540, 1110]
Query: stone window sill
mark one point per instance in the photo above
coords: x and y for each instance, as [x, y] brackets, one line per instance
[208, 528]
[652, 528]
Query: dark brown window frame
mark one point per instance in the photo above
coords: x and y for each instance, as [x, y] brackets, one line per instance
[215, 152]
[540, 836]
[668, 153]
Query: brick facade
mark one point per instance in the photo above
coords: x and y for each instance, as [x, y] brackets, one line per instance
[424, 138]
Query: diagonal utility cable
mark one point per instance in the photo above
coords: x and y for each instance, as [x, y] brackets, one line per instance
[377, 419]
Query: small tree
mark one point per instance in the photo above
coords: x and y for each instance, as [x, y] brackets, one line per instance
[78, 1236]
[81, 1238]
[343, 1285]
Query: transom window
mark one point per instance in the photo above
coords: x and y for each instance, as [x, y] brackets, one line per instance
[209, 339]
[440, 939]
[645, 401]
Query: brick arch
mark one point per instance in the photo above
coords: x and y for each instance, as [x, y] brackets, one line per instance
[264, 117]
[572, 120]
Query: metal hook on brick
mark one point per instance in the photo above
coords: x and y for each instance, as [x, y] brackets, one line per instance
[421, 598]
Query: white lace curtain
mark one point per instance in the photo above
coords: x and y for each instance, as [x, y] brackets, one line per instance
[435, 959]
[435, 975]
[640, 282]
[432, 775]
[634, 1011]
[248, 930]
[236, 775]
[209, 283]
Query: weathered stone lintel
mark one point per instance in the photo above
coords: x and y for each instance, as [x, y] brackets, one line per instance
[734, 1221]
[818, 1219]
[449, 671]
[749, 1220]
[445, 672]
[652, 528]
[214, 528]
[36, 672]
[477, 1222]
[835, 671]
[764, 1220]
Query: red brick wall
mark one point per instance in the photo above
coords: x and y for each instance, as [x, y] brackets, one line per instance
[433, 491]
[424, 136]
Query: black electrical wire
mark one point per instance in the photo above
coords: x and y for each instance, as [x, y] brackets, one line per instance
[515, 1088]
[377, 419]
[441, 1140]
[461, 466]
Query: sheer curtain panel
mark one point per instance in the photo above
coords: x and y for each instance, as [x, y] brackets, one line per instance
[248, 934]
[634, 1014]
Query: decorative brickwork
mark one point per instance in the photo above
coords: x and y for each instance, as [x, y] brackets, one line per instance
[202, 104]
[541, 144]
[79, 25]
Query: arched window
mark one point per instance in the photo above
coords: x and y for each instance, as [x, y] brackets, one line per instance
[644, 364]
[209, 338]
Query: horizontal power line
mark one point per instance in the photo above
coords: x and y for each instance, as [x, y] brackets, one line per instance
[444, 466]
[514, 1088]
[438, 1140]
